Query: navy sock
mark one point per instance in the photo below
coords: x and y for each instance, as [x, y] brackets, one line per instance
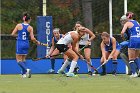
[104, 68]
[23, 67]
[52, 63]
[114, 66]
[133, 66]
[137, 63]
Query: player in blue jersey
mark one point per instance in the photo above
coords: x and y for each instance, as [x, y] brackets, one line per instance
[24, 31]
[56, 37]
[134, 42]
[110, 50]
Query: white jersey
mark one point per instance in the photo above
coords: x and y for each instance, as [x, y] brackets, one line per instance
[67, 39]
[84, 39]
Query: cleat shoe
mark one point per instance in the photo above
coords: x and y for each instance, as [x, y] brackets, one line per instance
[103, 73]
[60, 72]
[139, 73]
[114, 73]
[24, 76]
[28, 73]
[51, 71]
[134, 75]
[76, 70]
[70, 74]
[89, 73]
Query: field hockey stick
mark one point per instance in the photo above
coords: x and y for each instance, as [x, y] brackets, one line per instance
[82, 48]
[91, 66]
[86, 60]
[101, 66]
[43, 44]
[126, 61]
[36, 59]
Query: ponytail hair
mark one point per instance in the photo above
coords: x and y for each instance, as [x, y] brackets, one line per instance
[130, 15]
[26, 16]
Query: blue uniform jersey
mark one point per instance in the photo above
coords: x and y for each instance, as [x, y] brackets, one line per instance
[22, 44]
[135, 30]
[56, 40]
[134, 35]
[109, 47]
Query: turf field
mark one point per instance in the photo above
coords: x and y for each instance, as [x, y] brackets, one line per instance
[53, 83]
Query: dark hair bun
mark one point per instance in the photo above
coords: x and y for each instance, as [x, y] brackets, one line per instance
[130, 15]
[26, 16]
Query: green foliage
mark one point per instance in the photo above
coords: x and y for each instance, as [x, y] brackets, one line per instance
[61, 17]
[11, 13]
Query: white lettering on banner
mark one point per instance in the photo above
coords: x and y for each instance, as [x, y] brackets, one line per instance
[47, 36]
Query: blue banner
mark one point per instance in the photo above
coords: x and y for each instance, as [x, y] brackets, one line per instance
[44, 34]
[42, 66]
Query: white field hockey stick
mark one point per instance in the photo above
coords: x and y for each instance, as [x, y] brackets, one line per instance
[43, 44]
[86, 60]
[82, 48]
[101, 66]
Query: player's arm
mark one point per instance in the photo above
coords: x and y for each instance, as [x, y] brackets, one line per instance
[30, 29]
[126, 25]
[114, 48]
[103, 50]
[15, 31]
[92, 36]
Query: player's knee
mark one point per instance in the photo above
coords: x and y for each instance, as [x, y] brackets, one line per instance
[76, 57]
[87, 58]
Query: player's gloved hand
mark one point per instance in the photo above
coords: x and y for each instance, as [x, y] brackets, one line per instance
[38, 43]
[47, 56]
[110, 57]
[88, 43]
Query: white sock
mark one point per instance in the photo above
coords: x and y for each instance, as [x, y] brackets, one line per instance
[72, 66]
[89, 67]
[66, 63]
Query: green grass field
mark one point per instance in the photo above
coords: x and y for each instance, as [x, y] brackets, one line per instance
[53, 83]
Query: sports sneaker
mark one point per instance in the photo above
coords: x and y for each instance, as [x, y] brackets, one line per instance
[76, 70]
[89, 73]
[28, 73]
[103, 73]
[24, 76]
[51, 71]
[114, 73]
[134, 75]
[139, 73]
[60, 72]
[70, 74]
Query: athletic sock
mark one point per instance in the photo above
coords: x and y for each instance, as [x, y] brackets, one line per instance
[68, 67]
[72, 66]
[52, 63]
[66, 63]
[137, 63]
[23, 67]
[104, 68]
[114, 66]
[133, 66]
[89, 67]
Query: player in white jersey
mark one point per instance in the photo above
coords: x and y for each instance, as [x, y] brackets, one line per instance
[72, 38]
[86, 41]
